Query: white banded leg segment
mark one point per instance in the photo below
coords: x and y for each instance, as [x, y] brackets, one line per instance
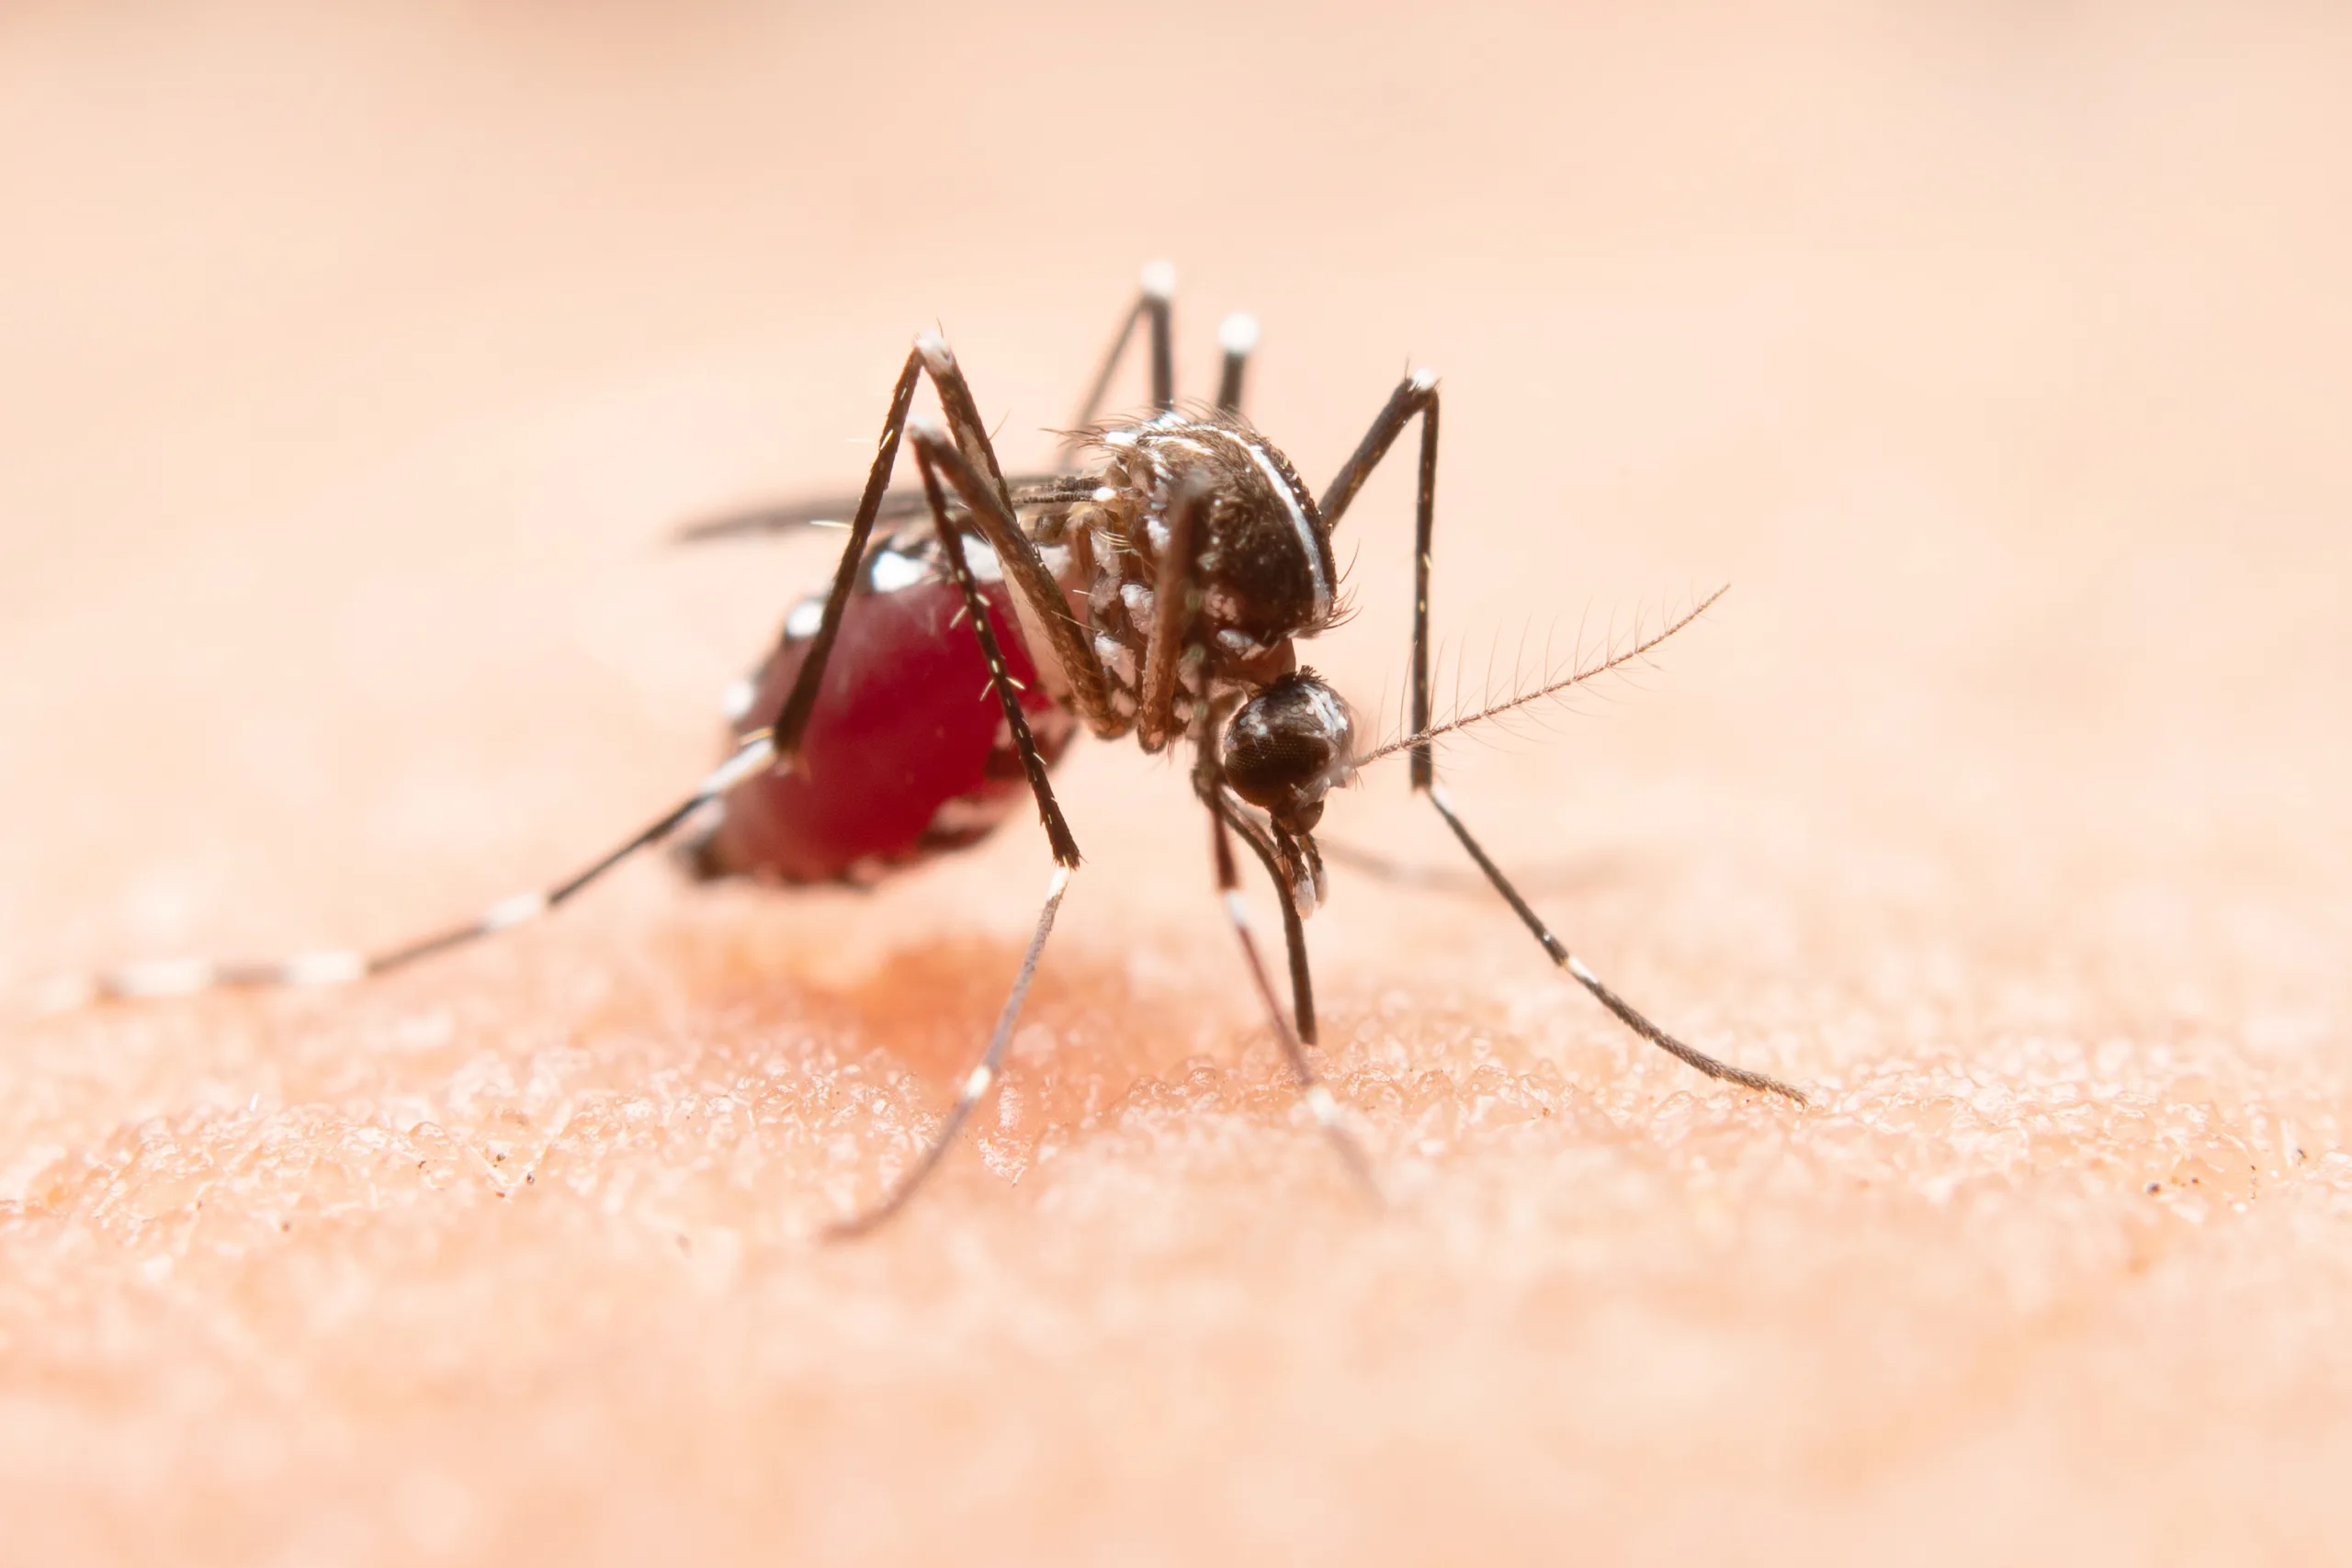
[180, 978]
[1237, 335]
[1153, 305]
[1416, 396]
[187, 976]
[976, 1083]
[508, 913]
[754, 757]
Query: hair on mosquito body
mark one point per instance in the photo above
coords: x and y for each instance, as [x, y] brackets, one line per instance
[1155, 585]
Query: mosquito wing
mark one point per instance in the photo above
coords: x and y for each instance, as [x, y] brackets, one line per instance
[898, 506]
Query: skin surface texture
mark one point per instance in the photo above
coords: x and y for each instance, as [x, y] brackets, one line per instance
[355, 364]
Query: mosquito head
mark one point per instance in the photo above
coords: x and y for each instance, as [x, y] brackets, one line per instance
[1287, 746]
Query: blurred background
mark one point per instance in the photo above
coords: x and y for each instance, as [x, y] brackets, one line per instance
[1993, 352]
[2007, 328]
[354, 362]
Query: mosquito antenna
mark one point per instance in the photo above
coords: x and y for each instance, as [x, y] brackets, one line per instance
[1494, 646]
[1579, 676]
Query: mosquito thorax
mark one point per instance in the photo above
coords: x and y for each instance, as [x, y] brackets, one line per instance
[1288, 747]
[1268, 573]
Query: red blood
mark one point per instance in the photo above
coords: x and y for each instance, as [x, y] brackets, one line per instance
[907, 750]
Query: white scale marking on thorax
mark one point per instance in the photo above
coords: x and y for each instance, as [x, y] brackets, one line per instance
[1307, 543]
[1306, 540]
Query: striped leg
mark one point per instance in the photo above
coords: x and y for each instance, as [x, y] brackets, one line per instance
[1237, 335]
[967, 463]
[1227, 820]
[176, 977]
[760, 750]
[965, 454]
[1416, 395]
[981, 1080]
[1155, 305]
[1626, 1013]
[932, 450]
[969, 460]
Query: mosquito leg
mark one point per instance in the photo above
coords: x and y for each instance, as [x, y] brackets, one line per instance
[1414, 394]
[792, 720]
[1625, 1012]
[1100, 386]
[1237, 335]
[977, 1083]
[931, 449]
[971, 467]
[1417, 394]
[1153, 304]
[1224, 822]
[1158, 294]
[1024, 568]
[1175, 606]
[760, 749]
[337, 967]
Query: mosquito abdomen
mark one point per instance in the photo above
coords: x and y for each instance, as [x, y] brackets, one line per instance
[905, 753]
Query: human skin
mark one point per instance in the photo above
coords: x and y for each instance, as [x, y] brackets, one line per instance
[355, 370]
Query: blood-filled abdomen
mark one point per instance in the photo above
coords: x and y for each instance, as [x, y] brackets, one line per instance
[907, 752]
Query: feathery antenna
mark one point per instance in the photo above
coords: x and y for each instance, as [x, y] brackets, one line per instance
[1579, 676]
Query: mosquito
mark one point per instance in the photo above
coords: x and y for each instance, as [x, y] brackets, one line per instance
[1156, 586]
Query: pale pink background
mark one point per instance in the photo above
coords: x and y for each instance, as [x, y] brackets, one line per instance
[354, 361]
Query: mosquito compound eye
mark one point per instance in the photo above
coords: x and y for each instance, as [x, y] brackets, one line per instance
[1286, 747]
